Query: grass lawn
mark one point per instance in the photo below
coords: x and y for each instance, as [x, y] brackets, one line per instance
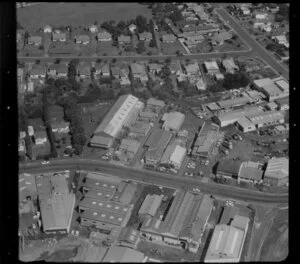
[62, 14]
[171, 48]
[62, 48]
[106, 48]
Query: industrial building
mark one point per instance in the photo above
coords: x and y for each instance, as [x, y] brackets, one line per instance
[123, 113]
[206, 137]
[129, 237]
[277, 172]
[174, 155]
[228, 169]
[128, 193]
[56, 203]
[184, 223]
[156, 145]
[27, 186]
[245, 125]
[150, 205]
[140, 128]
[129, 146]
[230, 103]
[148, 116]
[266, 118]
[173, 121]
[123, 254]
[273, 89]
[155, 104]
[283, 103]
[227, 241]
[250, 172]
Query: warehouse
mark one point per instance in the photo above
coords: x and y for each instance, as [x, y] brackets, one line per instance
[123, 113]
[283, 103]
[184, 223]
[230, 103]
[128, 193]
[266, 118]
[140, 128]
[150, 205]
[129, 146]
[273, 89]
[27, 186]
[173, 121]
[129, 237]
[245, 125]
[123, 254]
[148, 116]
[174, 154]
[277, 172]
[155, 104]
[228, 118]
[205, 139]
[228, 169]
[56, 203]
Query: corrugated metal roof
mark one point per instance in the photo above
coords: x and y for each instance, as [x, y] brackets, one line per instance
[150, 204]
[250, 173]
[128, 193]
[233, 102]
[240, 222]
[265, 117]
[173, 120]
[158, 139]
[123, 254]
[178, 154]
[277, 168]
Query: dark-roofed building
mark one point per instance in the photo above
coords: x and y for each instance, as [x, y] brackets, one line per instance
[38, 71]
[34, 40]
[148, 116]
[27, 186]
[229, 103]
[228, 168]
[283, 103]
[84, 69]
[228, 213]
[62, 37]
[58, 70]
[129, 237]
[128, 193]
[140, 128]
[145, 36]
[82, 39]
[155, 104]
[124, 40]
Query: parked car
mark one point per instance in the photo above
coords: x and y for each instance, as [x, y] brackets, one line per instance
[45, 162]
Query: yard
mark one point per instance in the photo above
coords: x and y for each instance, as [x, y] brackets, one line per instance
[172, 48]
[105, 47]
[75, 14]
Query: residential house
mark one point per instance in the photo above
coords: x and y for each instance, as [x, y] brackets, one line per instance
[219, 38]
[105, 70]
[22, 147]
[168, 38]
[47, 29]
[58, 70]
[19, 37]
[230, 65]
[38, 71]
[35, 40]
[59, 36]
[145, 36]
[116, 72]
[139, 72]
[132, 28]
[124, 40]
[260, 16]
[104, 36]
[193, 40]
[82, 39]
[282, 40]
[93, 29]
[40, 137]
[84, 69]
[212, 67]
[98, 68]
[154, 68]
[200, 84]
[192, 69]
[175, 67]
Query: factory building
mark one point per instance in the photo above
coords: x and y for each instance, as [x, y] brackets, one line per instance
[56, 203]
[277, 172]
[173, 121]
[123, 113]
[150, 205]
[230, 103]
[174, 155]
[206, 137]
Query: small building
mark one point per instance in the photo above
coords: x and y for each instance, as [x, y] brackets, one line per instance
[34, 40]
[93, 29]
[173, 121]
[58, 70]
[175, 67]
[277, 172]
[148, 116]
[129, 146]
[273, 89]
[145, 36]
[124, 40]
[22, 147]
[154, 68]
[168, 38]
[105, 70]
[230, 65]
[38, 71]
[219, 38]
[155, 104]
[27, 187]
[140, 128]
[245, 125]
[174, 156]
[61, 37]
[228, 169]
[271, 106]
[40, 137]
[250, 172]
[211, 67]
[129, 237]
[261, 16]
[82, 39]
[84, 69]
[150, 205]
[47, 29]
[104, 36]
[283, 103]
[192, 69]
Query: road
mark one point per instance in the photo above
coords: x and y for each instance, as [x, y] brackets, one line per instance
[257, 49]
[156, 178]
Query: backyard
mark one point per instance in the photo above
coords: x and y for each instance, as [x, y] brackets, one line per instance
[75, 14]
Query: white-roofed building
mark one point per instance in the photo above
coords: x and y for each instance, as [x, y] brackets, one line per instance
[226, 245]
[277, 171]
[150, 205]
[230, 65]
[173, 121]
[245, 125]
[174, 155]
[123, 113]
[273, 89]
[266, 118]
[212, 67]
[56, 203]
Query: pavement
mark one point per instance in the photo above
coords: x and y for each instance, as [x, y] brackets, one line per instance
[152, 177]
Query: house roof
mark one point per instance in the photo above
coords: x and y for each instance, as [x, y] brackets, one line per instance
[35, 39]
[211, 66]
[123, 38]
[154, 66]
[145, 35]
[175, 66]
[82, 38]
[40, 134]
[150, 204]
[123, 254]
[168, 37]
[233, 102]
[60, 35]
[59, 67]
[265, 117]
[220, 37]
[192, 68]
[38, 69]
[230, 64]
[137, 68]
[84, 68]
[105, 68]
[103, 35]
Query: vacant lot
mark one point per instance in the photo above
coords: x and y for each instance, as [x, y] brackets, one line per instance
[172, 48]
[62, 14]
[106, 47]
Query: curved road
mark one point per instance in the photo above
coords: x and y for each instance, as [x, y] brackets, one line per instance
[156, 178]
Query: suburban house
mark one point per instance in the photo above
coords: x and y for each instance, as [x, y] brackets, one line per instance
[212, 67]
[82, 39]
[34, 40]
[139, 72]
[132, 28]
[47, 29]
[105, 70]
[230, 65]
[145, 36]
[19, 37]
[116, 72]
[175, 67]
[282, 40]
[192, 40]
[219, 38]
[84, 69]
[124, 40]
[40, 137]
[261, 15]
[38, 71]
[59, 36]
[56, 120]
[98, 68]
[93, 29]
[104, 36]
[58, 70]
[168, 38]
[154, 68]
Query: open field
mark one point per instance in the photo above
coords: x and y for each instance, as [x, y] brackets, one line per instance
[171, 48]
[63, 14]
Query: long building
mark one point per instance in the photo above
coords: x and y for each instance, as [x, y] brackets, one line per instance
[174, 155]
[205, 139]
[173, 121]
[184, 223]
[229, 103]
[277, 171]
[123, 113]
[150, 205]
[56, 203]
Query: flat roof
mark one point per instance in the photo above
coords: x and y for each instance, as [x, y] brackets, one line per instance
[233, 102]
[282, 101]
[178, 154]
[229, 166]
[173, 120]
[103, 194]
[103, 216]
[277, 168]
[159, 138]
[251, 173]
[237, 114]
[262, 82]
[240, 222]
[245, 122]
[265, 117]
[228, 213]
[128, 193]
[213, 106]
[153, 101]
[100, 185]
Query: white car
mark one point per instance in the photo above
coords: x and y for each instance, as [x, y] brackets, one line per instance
[196, 190]
[45, 162]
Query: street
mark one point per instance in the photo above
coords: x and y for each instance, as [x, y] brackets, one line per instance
[156, 178]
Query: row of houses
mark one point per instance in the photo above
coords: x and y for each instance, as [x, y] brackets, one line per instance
[275, 174]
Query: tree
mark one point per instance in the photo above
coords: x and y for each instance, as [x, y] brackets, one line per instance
[26, 35]
[152, 43]
[72, 70]
[141, 23]
[41, 47]
[176, 16]
[113, 60]
[57, 61]
[168, 60]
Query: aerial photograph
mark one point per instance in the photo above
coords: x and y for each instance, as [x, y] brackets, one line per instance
[153, 132]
